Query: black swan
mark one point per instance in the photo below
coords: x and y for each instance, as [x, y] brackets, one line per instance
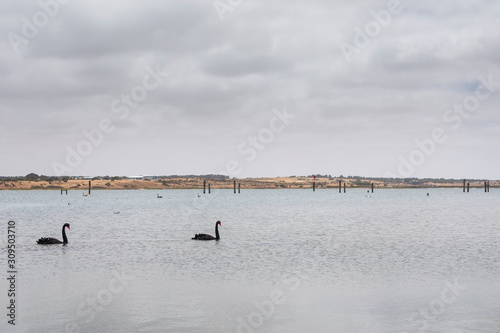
[159, 196]
[209, 237]
[50, 240]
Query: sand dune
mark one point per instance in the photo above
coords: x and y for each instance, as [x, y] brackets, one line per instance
[257, 183]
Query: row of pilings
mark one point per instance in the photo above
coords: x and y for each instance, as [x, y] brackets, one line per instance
[234, 187]
[90, 188]
[466, 186]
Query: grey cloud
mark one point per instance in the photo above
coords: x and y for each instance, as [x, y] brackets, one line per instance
[226, 77]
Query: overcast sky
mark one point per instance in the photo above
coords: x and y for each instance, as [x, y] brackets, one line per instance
[250, 88]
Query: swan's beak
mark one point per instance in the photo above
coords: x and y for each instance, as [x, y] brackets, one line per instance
[68, 228]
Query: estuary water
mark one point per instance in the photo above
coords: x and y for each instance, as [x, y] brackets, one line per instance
[287, 261]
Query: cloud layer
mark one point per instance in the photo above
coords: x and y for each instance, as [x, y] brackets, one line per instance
[360, 113]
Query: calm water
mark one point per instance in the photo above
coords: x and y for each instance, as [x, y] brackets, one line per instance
[287, 261]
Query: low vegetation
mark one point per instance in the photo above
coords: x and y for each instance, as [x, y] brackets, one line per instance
[34, 181]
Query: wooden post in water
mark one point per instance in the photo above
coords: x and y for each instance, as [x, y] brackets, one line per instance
[372, 187]
[464, 185]
[204, 185]
[340, 186]
[208, 188]
[468, 185]
[488, 186]
[90, 185]
[234, 186]
[485, 187]
[344, 187]
[239, 188]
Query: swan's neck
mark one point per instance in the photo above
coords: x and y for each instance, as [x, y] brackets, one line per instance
[217, 232]
[65, 239]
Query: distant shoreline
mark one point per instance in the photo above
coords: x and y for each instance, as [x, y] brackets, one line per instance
[246, 183]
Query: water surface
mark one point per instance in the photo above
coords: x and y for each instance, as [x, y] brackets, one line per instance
[287, 261]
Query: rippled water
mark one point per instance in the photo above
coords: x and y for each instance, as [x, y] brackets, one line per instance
[287, 261]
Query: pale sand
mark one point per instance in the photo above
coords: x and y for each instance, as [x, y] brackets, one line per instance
[197, 183]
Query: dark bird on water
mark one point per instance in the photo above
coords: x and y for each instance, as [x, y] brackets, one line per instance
[50, 240]
[209, 237]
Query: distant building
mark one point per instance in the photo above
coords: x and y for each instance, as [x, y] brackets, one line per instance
[143, 177]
